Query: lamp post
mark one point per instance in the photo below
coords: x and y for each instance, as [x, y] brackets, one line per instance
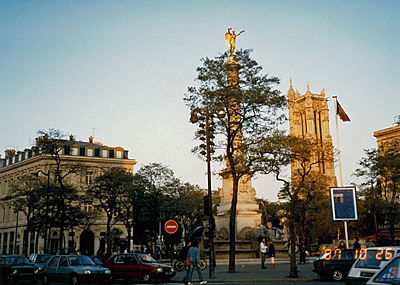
[208, 115]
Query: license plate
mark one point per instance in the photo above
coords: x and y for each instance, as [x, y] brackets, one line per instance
[366, 274]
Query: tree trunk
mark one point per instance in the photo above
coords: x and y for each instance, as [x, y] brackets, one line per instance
[232, 224]
[293, 268]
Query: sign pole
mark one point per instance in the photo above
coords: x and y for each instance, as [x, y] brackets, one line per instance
[346, 236]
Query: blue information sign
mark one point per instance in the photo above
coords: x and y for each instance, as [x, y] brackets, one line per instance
[343, 203]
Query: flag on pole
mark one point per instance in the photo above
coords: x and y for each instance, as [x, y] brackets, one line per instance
[342, 114]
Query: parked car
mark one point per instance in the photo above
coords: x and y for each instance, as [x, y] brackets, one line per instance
[74, 269]
[96, 260]
[369, 262]
[40, 259]
[15, 268]
[335, 264]
[141, 266]
[388, 274]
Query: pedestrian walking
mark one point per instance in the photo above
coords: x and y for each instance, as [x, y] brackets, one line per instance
[370, 243]
[271, 253]
[184, 258]
[193, 258]
[263, 250]
[289, 247]
[302, 252]
[356, 244]
[342, 245]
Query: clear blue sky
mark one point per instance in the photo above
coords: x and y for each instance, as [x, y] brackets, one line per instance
[118, 70]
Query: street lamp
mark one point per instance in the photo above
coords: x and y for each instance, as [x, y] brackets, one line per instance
[207, 129]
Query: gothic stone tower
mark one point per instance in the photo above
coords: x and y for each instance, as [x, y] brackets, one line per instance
[309, 117]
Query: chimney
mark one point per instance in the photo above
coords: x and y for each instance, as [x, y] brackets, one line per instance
[91, 139]
[9, 152]
[71, 137]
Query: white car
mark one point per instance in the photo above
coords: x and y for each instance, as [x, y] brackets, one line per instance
[389, 274]
[370, 261]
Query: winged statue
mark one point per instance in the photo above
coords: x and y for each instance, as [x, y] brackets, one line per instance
[230, 39]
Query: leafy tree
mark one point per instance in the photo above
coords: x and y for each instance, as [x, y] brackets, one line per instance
[380, 169]
[131, 205]
[305, 184]
[26, 195]
[188, 205]
[51, 142]
[157, 183]
[253, 110]
[106, 192]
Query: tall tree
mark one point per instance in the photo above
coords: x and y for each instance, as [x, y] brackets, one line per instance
[380, 169]
[52, 142]
[106, 193]
[157, 183]
[253, 110]
[299, 186]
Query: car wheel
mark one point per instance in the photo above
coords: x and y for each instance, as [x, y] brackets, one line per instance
[337, 275]
[46, 280]
[146, 277]
[74, 280]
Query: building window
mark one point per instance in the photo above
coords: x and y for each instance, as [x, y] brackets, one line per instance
[74, 151]
[104, 153]
[32, 242]
[87, 207]
[11, 243]
[3, 212]
[5, 240]
[118, 154]
[89, 178]
[89, 152]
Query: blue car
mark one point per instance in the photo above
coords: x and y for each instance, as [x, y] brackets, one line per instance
[40, 259]
[15, 268]
[74, 269]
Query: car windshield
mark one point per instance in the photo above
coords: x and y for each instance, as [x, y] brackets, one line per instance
[80, 260]
[42, 258]
[390, 274]
[372, 258]
[145, 258]
[17, 261]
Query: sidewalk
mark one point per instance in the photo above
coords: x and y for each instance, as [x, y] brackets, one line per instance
[249, 270]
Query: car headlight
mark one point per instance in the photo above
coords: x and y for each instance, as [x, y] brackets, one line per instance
[160, 269]
[107, 271]
[14, 272]
[172, 269]
[86, 272]
[36, 271]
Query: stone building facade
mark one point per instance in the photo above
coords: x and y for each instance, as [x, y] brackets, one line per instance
[92, 156]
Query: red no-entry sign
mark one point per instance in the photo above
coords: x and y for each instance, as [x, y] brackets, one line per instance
[171, 226]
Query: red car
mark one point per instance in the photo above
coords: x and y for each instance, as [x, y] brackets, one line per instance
[128, 266]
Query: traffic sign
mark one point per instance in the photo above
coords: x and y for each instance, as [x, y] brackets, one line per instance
[171, 226]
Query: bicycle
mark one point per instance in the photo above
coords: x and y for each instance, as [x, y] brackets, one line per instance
[179, 265]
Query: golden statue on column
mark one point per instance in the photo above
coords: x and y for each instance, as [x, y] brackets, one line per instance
[230, 39]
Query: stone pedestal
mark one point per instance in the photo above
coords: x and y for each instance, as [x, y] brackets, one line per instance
[248, 215]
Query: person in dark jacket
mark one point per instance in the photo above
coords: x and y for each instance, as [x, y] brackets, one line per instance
[184, 254]
[271, 253]
[194, 260]
[302, 253]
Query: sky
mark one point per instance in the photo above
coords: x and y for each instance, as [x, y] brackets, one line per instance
[118, 70]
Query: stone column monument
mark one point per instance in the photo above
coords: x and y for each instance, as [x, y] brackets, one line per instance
[248, 215]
